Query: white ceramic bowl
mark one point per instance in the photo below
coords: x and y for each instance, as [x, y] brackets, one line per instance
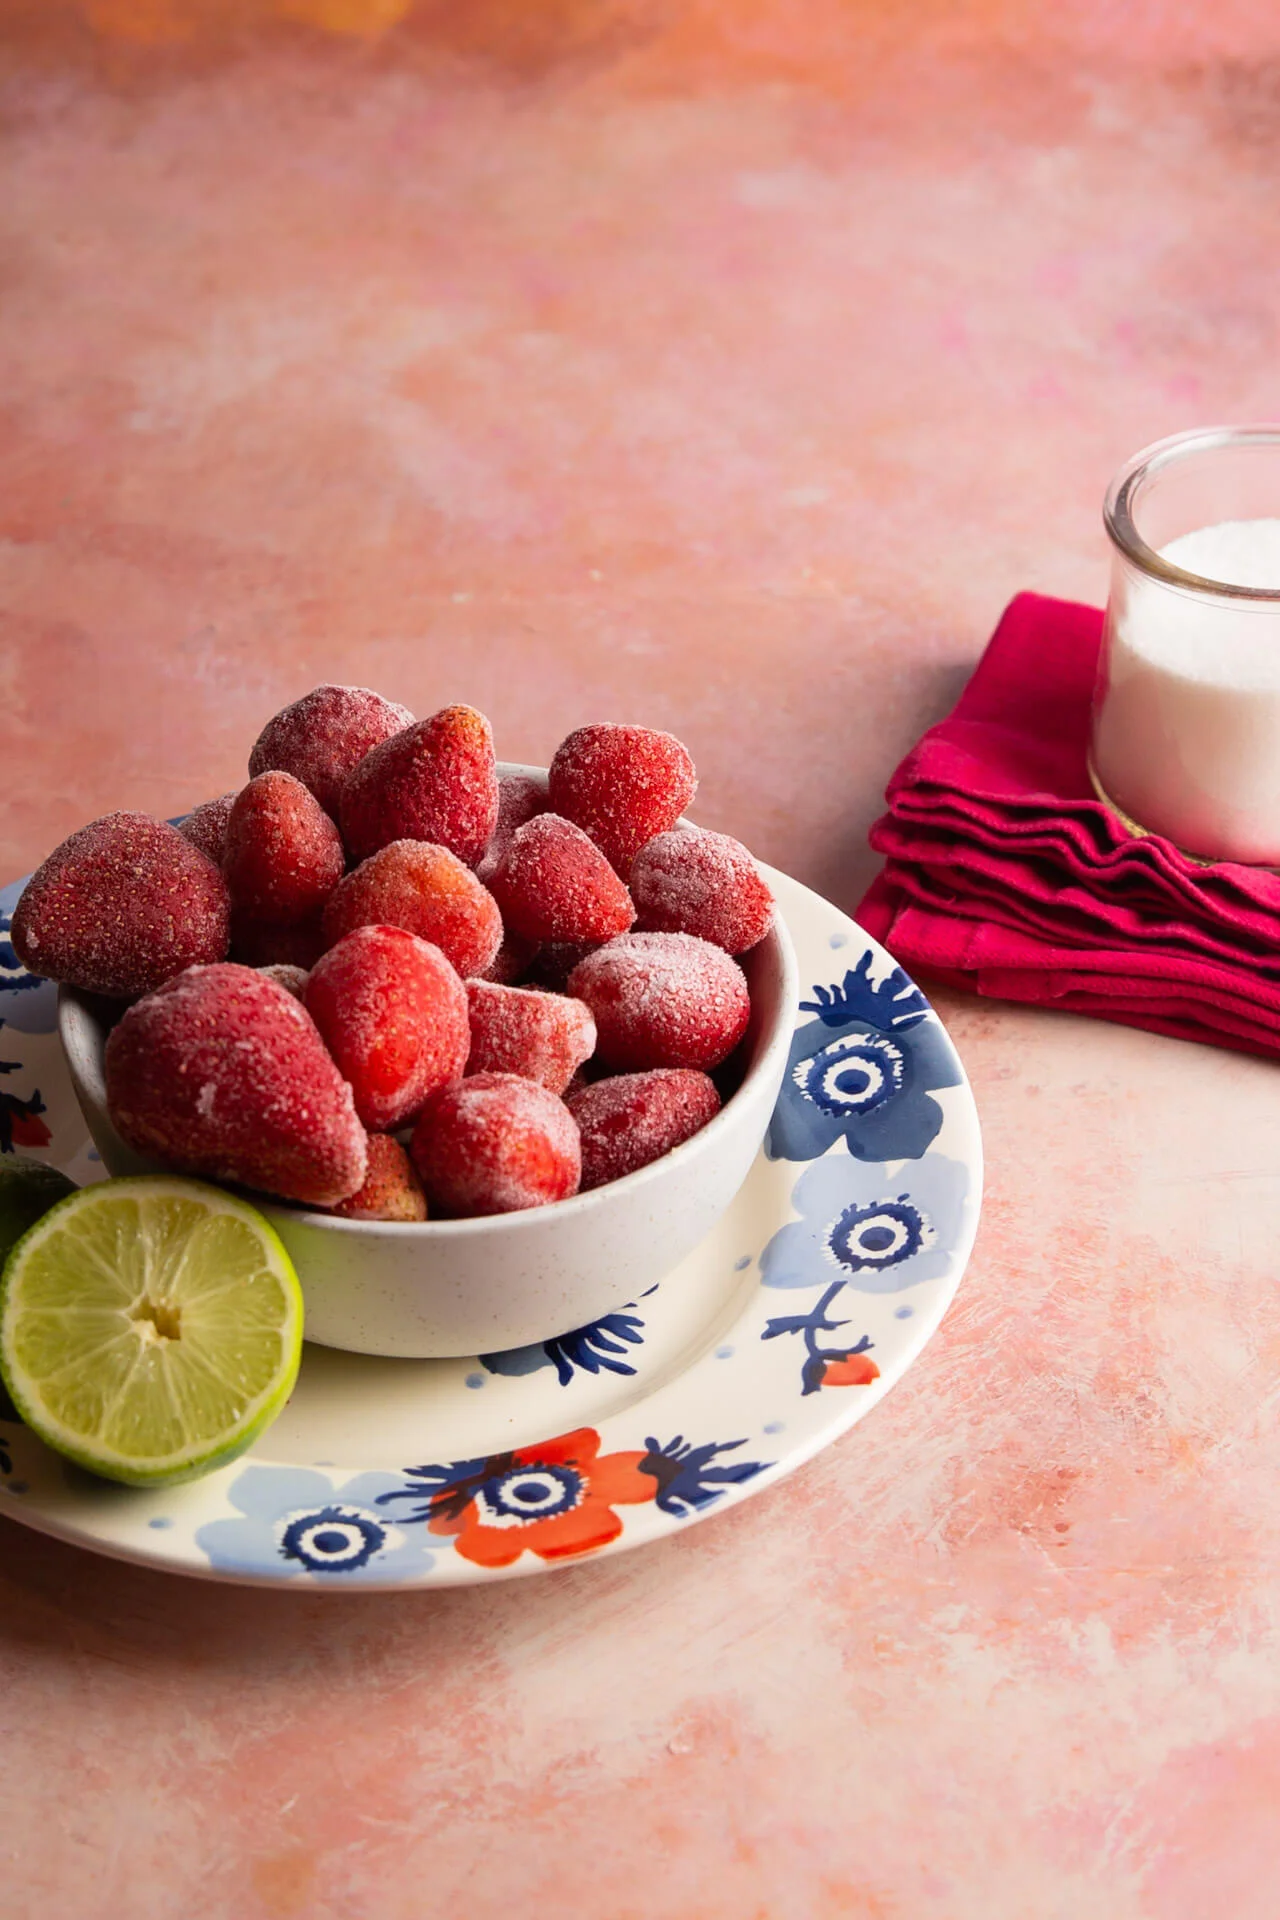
[453, 1287]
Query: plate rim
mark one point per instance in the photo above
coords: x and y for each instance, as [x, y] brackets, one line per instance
[645, 1524]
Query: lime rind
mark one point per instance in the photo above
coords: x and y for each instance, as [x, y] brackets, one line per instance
[150, 1328]
[28, 1188]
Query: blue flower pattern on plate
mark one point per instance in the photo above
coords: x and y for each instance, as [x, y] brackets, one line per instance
[876, 1231]
[598, 1348]
[20, 1121]
[863, 1072]
[829, 1364]
[31, 1004]
[293, 1520]
[690, 1478]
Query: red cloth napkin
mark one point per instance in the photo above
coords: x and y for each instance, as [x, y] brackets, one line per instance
[1006, 875]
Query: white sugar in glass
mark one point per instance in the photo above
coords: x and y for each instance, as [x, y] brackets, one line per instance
[1186, 720]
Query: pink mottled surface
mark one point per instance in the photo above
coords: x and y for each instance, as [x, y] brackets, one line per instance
[726, 367]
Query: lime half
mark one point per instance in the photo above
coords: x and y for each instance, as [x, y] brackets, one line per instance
[150, 1329]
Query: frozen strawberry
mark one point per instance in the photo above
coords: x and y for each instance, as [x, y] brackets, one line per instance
[496, 1143]
[513, 960]
[553, 883]
[283, 855]
[321, 738]
[206, 826]
[393, 1014]
[292, 979]
[702, 883]
[520, 797]
[121, 906]
[222, 1073]
[663, 1000]
[427, 891]
[541, 1036]
[553, 963]
[434, 781]
[256, 943]
[634, 1118]
[622, 785]
[392, 1189]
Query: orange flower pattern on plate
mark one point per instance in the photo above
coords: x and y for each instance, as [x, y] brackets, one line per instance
[554, 1499]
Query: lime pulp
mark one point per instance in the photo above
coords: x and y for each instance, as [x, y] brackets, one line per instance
[150, 1329]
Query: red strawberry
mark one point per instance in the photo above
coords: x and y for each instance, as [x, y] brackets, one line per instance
[495, 1144]
[702, 883]
[394, 1016]
[553, 883]
[542, 1036]
[622, 785]
[520, 797]
[283, 855]
[321, 738]
[434, 781]
[206, 826]
[663, 1000]
[221, 1072]
[633, 1118]
[392, 1190]
[427, 891]
[121, 906]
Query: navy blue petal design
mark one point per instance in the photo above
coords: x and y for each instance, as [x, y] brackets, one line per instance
[598, 1348]
[894, 1003]
[31, 1004]
[690, 1477]
[446, 1487]
[13, 975]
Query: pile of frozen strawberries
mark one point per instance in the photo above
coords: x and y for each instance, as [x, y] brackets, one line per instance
[382, 980]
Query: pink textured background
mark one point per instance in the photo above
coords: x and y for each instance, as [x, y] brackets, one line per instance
[725, 366]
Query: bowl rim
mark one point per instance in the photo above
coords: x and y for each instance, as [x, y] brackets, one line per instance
[576, 1206]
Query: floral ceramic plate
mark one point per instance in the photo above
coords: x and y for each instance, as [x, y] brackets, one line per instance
[813, 1295]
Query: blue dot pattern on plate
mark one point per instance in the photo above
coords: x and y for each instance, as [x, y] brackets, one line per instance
[725, 1352]
[474, 1380]
[903, 1313]
[740, 1266]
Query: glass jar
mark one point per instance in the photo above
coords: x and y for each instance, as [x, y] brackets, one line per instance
[1186, 713]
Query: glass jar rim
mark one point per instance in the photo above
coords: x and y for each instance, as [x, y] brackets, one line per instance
[1117, 512]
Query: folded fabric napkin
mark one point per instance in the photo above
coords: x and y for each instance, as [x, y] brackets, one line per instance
[1005, 874]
